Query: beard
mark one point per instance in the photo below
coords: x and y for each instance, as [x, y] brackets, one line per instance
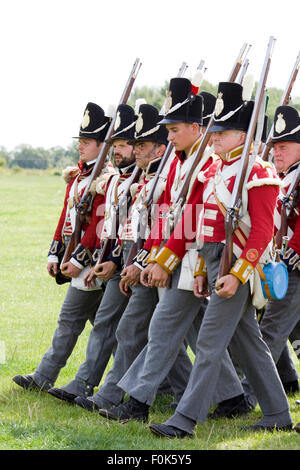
[124, 161]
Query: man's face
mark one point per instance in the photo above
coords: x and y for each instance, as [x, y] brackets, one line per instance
[285, 155]
[145, 152]
[123, 153]
[88, 149]
[183, 135]
[226, 141]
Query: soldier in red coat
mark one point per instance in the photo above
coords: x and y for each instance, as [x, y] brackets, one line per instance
[80, 303]
[102, 337]
[178, 308]
[230, 316]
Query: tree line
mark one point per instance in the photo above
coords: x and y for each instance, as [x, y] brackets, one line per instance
[26, 156]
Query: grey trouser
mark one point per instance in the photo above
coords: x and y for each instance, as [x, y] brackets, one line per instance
[168, 328]
[78, 307]
[192, 334]
[132, 336]
[102, 337]
[227, 321]
[278, 322]
[285, 364]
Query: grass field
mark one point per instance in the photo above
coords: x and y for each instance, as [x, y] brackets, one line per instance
[30, 303]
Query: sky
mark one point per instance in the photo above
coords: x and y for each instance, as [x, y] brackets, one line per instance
[58, 55]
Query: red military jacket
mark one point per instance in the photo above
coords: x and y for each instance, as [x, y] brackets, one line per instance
[130, 229]
[262, 192]
[176, 177]
[76, 179]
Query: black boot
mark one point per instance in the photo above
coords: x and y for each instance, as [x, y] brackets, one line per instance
[171, 432]
[291, 387]
[27, 382]
[231, 408]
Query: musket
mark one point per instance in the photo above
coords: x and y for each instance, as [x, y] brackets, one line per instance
[177, 207]
[285, 99]
[288, 208]
[239, 61]
[125, 200]
[85, 203]
[234, 210]
[145, 207]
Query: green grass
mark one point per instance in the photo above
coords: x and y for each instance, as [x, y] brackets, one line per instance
[30, 304]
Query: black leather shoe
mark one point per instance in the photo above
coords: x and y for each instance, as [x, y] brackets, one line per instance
[62, 394]
[27, 382]
[231, 409]
[163, 430]
[297, 427]
[131, 409]
[291, 387]
[261, 427]
[86, 404]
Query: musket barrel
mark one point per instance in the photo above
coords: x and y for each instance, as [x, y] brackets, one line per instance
[201, 65]
[169, 148]
[243, 71]
[84, 203]
[206, 136]
[147, 203]
[105, 147]
[238, 63]
[250, 134]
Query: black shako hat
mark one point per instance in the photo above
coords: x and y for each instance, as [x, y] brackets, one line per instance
[124, 123]
[182, 103]
[264, 135]
[209, 102]
[286, 125]
[147, 127]
[231, 110]
[94, 123]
